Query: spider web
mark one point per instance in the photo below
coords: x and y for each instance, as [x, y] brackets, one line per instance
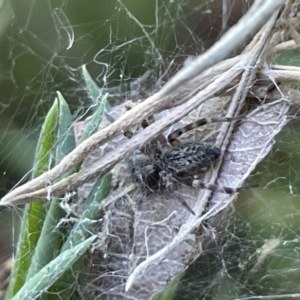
[131, 48]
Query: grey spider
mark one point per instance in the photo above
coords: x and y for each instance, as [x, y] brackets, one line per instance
[161, 167]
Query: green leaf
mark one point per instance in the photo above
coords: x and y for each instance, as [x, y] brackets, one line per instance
[51, 237]
[90, 212]
[93, 90]
[50, 273]
[83, 228]
[66, 137]
[169, 292]
[34, 213]
[96, 119]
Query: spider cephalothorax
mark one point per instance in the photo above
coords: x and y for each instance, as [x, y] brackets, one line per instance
[191, 156]
[168, 167]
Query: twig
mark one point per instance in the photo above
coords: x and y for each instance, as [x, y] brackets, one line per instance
[253, 61]
[233, 38]
[109, 160]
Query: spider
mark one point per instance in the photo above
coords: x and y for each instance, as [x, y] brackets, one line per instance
[160, 167]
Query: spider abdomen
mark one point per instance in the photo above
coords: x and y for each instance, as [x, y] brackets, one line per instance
[190, 156]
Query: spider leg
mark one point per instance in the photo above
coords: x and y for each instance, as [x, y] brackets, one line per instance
[128, 106]
[183, 202]
[169, 182]
[223, 189]
[151, 148]
[172, 138]
[128, 134]
[145, 123]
